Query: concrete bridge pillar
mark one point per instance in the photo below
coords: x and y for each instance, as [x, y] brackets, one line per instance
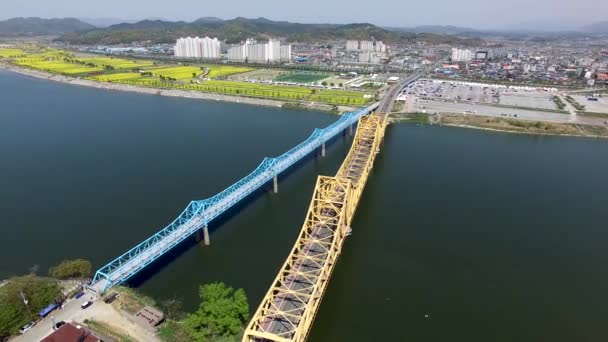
[323, 150]
[275, 182]
[206, 236]
[350, 130]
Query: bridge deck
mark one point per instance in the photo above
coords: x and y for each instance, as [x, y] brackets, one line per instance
[288, 309]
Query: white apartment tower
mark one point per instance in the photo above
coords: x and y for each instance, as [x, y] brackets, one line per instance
[352, 45]
[461, 55]
[365, 45]
[197, 48]
[253, 52]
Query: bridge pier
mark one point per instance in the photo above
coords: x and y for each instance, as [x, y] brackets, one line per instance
[323, 150]
[275, 182]
[206, 236]
[350, 130]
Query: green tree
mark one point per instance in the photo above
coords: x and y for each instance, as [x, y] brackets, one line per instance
[39, 292]
[77, 268]
[324, 84]
[221, 313]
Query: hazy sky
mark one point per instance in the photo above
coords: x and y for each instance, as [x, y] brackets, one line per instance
[470, 13]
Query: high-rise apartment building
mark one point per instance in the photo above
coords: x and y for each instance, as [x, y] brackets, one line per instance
[254, 52]
[365, 45]
[461, 55]
[197, 47]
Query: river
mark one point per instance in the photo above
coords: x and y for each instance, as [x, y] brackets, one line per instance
[461, 235]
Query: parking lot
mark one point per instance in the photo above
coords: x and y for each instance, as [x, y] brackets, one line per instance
[439, 107]
[479, 93]
[599, 106]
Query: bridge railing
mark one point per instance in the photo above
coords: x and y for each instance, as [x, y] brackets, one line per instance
[200, 212]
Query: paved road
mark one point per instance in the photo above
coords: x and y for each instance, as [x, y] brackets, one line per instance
[99, 311]
[389, 99]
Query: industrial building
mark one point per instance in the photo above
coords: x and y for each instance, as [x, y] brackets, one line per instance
[254, 52]
[197, 48]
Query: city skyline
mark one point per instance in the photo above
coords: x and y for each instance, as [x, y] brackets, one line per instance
[476, 14]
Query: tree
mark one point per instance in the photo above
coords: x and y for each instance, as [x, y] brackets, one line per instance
[77, 268]
[193, 75]
[221, 313]
[324, 84]
[39, 292]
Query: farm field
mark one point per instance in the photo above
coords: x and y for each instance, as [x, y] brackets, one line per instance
[186, 77]
[179, 72]
[117, 63]
[336, 97]
[57, 66]
[225, 70]
[116, 77]
[302, 77]
[8, 53]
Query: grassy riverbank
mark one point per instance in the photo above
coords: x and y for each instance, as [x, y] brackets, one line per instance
[196, 77]
[503, 124]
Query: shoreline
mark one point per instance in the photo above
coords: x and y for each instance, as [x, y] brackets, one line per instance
[580, 133]
[519, 132]
[189, 94]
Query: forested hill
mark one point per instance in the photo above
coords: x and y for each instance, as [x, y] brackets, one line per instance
[41, 26]
[239, 29]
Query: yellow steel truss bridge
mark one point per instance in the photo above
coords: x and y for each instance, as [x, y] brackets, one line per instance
[288, 309]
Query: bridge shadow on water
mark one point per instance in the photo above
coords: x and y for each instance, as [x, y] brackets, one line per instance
[197, 237]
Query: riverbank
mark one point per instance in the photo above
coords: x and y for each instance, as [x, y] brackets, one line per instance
[176, 93]
[495, 124]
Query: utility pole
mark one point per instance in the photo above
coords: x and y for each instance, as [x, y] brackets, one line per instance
[25, 301]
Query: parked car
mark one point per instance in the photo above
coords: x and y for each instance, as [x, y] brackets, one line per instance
[111, 297]
[86, 304]
[59, 324]
[26, 327]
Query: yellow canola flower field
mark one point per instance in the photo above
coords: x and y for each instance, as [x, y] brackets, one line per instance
[9, 53]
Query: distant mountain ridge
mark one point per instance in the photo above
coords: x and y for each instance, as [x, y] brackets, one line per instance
[41, 26]
[239, 29]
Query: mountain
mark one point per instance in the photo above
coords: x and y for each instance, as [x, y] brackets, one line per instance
[599, 27]
[105, 22]
[438, 29]
[239, 29]
[41, 26]
[204, 20]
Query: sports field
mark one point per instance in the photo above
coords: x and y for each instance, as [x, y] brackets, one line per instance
[302, 77]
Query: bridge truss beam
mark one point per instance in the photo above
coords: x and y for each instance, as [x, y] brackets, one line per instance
[290, 305]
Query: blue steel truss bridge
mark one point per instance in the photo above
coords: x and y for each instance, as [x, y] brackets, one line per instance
[199, 213]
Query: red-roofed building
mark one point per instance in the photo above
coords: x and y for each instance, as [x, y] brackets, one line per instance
[70, 333]
[602, 77]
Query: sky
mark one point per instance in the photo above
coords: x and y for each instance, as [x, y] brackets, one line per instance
[480, 14]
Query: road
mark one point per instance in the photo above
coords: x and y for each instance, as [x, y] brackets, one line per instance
[389, 99]
[99, 311]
